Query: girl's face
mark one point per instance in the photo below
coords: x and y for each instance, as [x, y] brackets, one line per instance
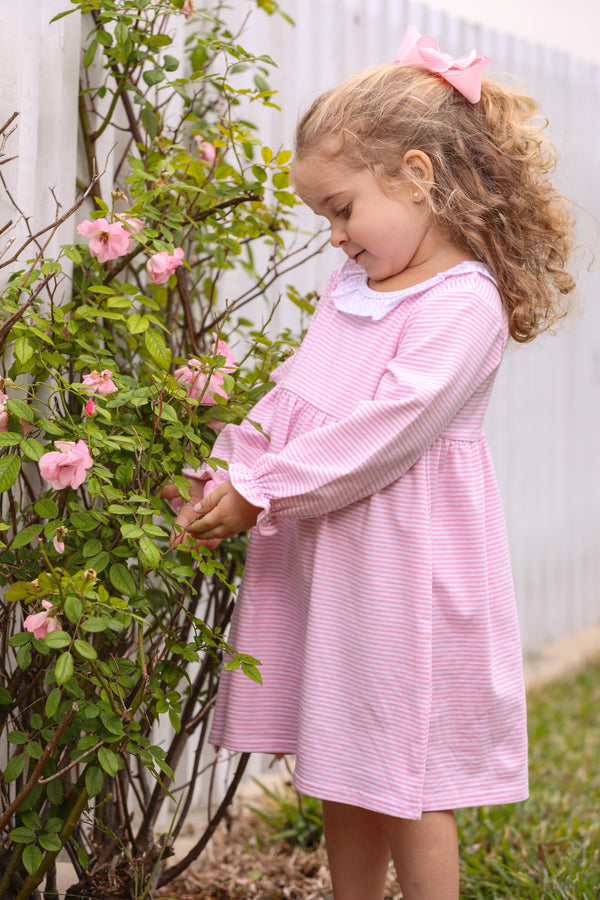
[391, 237]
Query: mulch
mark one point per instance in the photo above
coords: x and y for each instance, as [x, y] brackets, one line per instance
[242, 862]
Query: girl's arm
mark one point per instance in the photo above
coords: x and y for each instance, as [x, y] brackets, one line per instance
[451, 345]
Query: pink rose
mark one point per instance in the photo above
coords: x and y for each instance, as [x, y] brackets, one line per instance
[59, 546]
[208, 152]
[188, 9]
[204, 381]
[222, 348]
[67, 466]
[162, 265]
[89, 408]
[134, 226]
[106, 241]
[99, 382]
[41, 623]
[3, 412]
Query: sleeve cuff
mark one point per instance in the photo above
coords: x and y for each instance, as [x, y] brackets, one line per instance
[244, 482]
[205, 473]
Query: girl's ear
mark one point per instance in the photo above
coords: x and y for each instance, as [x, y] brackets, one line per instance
[419, 169]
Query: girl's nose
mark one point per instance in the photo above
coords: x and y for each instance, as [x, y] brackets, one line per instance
[338, 236]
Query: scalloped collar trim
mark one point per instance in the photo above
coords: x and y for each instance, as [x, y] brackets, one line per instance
[353, 295]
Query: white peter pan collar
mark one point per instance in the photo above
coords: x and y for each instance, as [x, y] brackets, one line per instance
[353, 295]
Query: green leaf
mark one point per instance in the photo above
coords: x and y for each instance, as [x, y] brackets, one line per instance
[54, 823]
[88, 59]
[9, 439]
[21, 409]
[122, 580]
[63, 671]
[31, 819]
[22, 835]
[136, 323]
[286, 198]
[112, 721]
[84, 649]
[20, 638]
[26, 536]
[20, 590]
[34, 750]
[94, 624]
[46, 508]
[57, 639]
[82, 521]
[121, 33]
[23, 350]
[105, 38]
[158, 350]
[50, 842]
[259, 173]
[261, 84]
[150, 551]
[198, 58]
[5, 697]
[281, 180]
[72, 253]
[109, 761]
[92, 547]
[32, 858]
[118, 302]
[10, 467]
[24, 657]
[15, 768]
[170, 63]
[73, 608]
[169, 414]
[94, 780]
[154, 530]
[98, 562]
[102, 289]
[120, 509]
[131, 532]
[52, 701]
[32, 449]
[267, 154]
[153, 76]
[17, 737]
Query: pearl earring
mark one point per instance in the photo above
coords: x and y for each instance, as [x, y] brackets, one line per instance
[416, 195]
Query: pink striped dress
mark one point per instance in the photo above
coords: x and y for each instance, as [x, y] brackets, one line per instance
[377, 591]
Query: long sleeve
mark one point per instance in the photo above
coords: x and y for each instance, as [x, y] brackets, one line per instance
[451, 344]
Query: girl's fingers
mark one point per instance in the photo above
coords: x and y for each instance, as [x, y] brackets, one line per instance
[170, 492]
[203, 523]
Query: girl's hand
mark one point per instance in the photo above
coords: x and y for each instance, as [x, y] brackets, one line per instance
[187, 513]
[223, 513]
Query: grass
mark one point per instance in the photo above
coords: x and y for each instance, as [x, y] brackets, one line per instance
[547, 848]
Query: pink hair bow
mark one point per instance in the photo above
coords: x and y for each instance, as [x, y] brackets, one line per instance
[423, 51]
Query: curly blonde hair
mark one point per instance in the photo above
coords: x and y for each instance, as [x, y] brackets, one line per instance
[491, 191]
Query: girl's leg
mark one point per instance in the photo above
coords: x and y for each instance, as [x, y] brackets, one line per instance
[425, 854]
[358, 851]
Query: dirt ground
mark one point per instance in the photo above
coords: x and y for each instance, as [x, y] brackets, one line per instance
[242, 861]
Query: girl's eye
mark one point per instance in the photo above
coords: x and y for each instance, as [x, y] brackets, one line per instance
[345, 211]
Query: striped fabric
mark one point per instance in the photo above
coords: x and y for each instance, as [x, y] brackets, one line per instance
[377, 591]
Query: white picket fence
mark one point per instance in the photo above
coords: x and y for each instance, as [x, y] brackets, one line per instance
[544, 420]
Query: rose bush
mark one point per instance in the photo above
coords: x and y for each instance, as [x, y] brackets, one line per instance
[114, 377]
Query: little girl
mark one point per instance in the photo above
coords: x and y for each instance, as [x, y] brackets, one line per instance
[377, 591]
